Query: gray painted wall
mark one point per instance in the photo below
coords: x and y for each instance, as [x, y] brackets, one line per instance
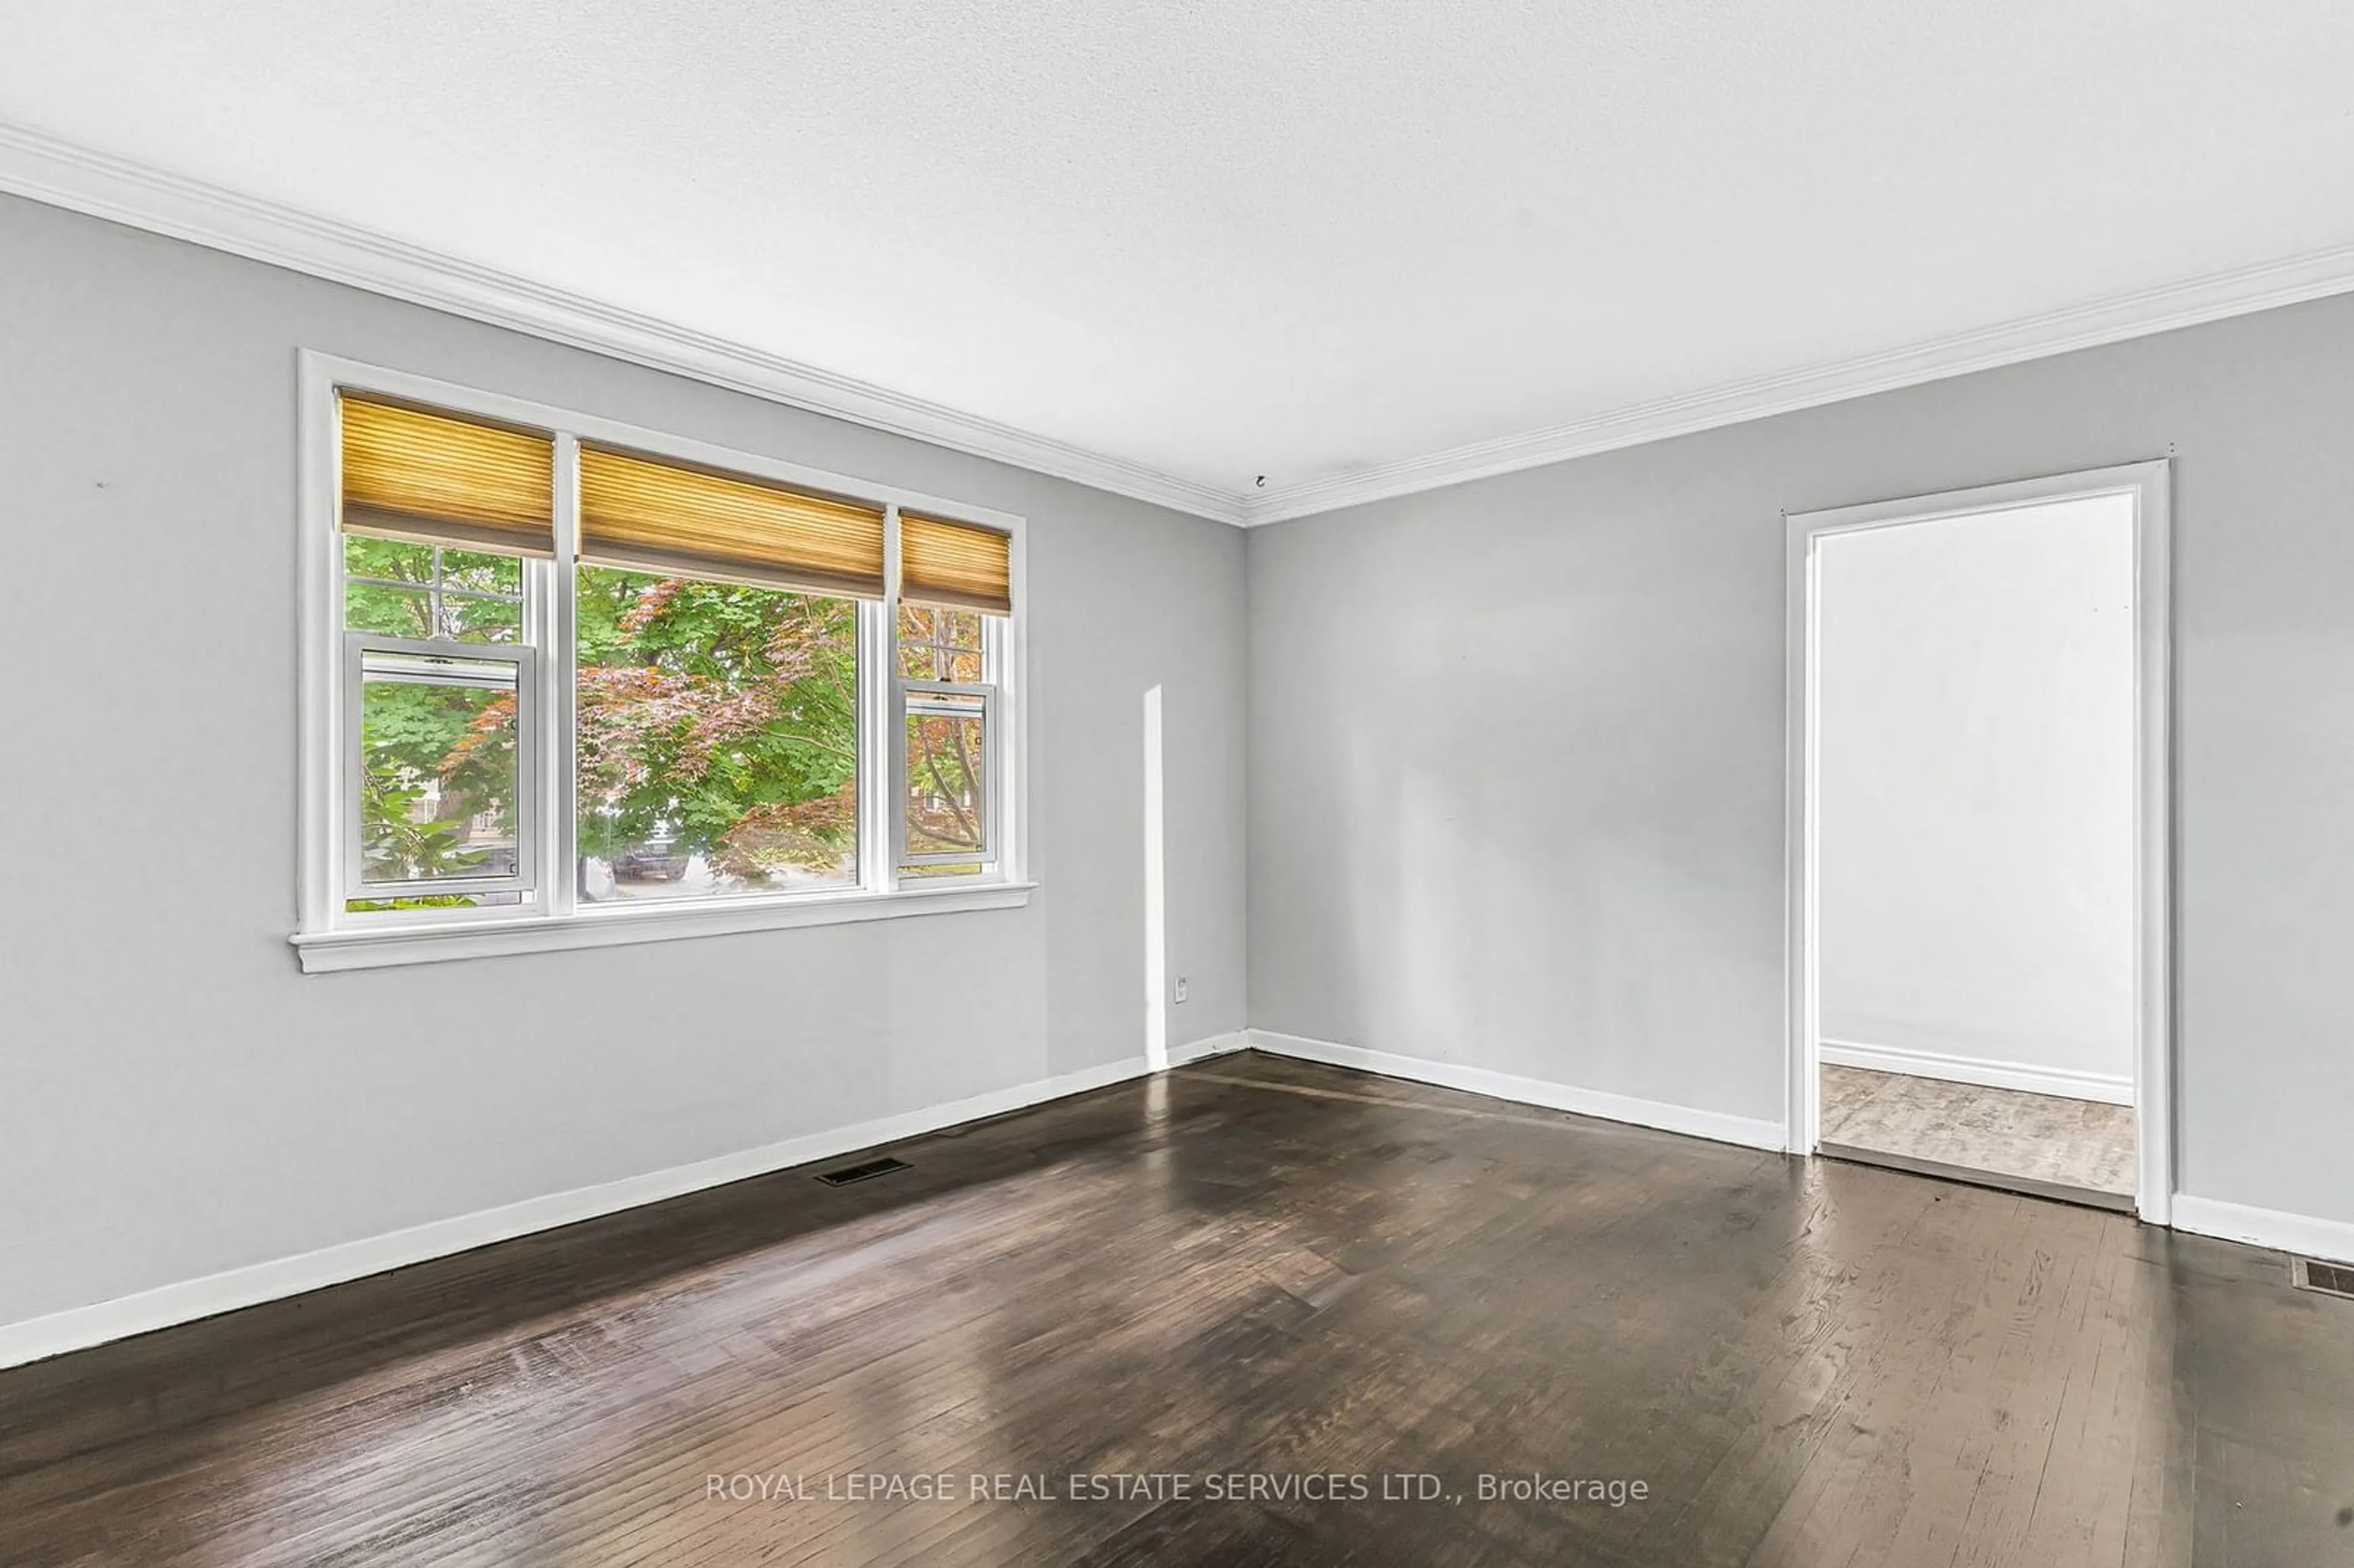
[176, 1099]
[1516, 747]
[1519, 808]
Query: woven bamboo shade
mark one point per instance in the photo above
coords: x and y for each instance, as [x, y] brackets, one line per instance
[651, 516]
[956, 564]
[435, 479]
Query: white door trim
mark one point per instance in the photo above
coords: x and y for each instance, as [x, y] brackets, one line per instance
[2147, 483]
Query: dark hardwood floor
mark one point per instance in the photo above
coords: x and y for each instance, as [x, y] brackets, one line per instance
[1253, 1268]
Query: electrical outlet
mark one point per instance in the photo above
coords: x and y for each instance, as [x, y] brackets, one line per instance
[1181, 989]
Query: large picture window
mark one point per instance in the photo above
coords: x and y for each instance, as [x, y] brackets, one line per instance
[715, 737]
[592, 683]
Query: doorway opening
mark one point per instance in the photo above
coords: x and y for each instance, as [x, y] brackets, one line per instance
[1980, 836]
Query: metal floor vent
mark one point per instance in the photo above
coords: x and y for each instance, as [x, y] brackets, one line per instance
[2328, 1278]
[867, 1169]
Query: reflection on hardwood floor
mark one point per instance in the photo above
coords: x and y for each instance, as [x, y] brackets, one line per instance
[1255, 1268]
[2040, 1139]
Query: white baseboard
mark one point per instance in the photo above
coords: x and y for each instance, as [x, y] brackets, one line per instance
[2020, 1076]
[1716, 1126]
[1213, 1046]
[2301, 1234]
[36, 1338]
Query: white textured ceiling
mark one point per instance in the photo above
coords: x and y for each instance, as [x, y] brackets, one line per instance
[1237, 237]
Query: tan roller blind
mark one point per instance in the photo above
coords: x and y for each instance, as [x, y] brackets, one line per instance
[958, 564]
[651, 516]
[438, 480]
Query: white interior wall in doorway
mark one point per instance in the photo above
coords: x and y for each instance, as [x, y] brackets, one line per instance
[1976, 773]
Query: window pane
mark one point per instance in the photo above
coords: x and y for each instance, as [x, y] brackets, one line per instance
[396, 612]
[413, 612]
[946, 812]
[431, 593]
[717, 739]
[438, 769]
[466, 619]
[949, 868]
[389, 559]
[434, 901]
[937, 644]
[475, 572]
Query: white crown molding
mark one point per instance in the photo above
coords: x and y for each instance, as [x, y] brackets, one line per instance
[122, 191]
[2089, 326]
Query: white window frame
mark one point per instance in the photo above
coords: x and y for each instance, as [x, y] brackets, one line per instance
[331, 938]
[952, 699]
[524, 660]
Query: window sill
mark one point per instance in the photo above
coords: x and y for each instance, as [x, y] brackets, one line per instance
[386, 946]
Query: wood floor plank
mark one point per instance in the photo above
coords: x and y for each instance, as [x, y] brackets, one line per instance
[1242, 1276]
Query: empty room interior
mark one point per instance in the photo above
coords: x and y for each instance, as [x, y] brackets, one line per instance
[1017, 784]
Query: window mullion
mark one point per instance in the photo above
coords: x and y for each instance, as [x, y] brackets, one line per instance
[881, 752]
[559, 664]
[1000, 667]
